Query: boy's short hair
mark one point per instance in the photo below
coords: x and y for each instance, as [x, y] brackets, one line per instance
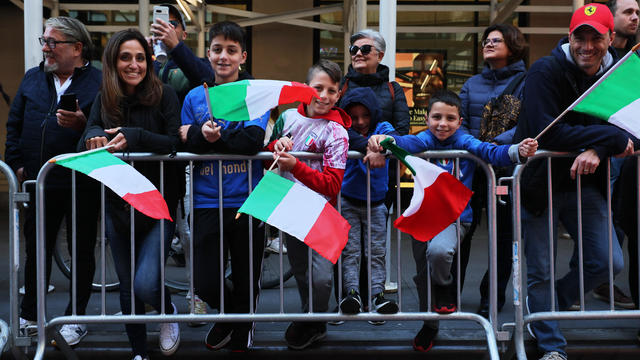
[329, 67]
[230, 31]
[445, 96]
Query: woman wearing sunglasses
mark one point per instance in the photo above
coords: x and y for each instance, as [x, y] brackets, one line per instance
[503, 51]
[367, 50]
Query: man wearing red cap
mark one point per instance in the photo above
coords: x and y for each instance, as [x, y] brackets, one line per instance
[552, 84]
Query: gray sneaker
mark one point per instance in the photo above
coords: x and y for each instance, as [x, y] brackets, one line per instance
[553, 355]
[72, 333]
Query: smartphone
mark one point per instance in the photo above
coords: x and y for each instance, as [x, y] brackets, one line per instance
[161, 12]
[68, 102]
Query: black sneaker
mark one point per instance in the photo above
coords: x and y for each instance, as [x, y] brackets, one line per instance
[242, 339]
[300, 335]
[444, 300]
[382, 305]
[219, 335]
[424, 339]
[351, 304]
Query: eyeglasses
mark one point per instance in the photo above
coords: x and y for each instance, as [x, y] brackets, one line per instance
[364, 49]
[493, 42]
[52, 43]
[174, 23]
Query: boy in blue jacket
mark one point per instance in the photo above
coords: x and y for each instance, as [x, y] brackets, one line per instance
[202, 134]
[361, 104]
[443, 121]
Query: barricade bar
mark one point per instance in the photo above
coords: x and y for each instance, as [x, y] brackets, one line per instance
[489, 327]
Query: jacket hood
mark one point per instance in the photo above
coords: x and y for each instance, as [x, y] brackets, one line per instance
[336, 115]
[562, 54]
[380, 76]
[505, 72]
[366, 97]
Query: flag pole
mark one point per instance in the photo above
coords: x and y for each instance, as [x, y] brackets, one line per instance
[86, 152]
[589, 90]
[206, 94]
[271, 167]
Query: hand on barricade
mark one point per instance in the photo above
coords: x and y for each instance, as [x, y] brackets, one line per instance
[72, 119]
[374, 143]
[528, 147]
[375, 159]
[211, 131]
[119, 142]
[627, 151]
[96, 142]
[586, 163]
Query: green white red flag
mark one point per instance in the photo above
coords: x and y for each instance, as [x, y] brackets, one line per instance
[616, 96]
[120, 177]
[300, 212]
[438, 197]
[250, 99]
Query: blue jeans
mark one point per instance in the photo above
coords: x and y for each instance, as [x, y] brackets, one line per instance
[596, 258]
[356, 215]
[147, 273]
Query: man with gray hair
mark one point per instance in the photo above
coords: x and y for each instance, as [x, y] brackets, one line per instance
[47, 118]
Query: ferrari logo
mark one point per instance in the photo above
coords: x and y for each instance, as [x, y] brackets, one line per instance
[590, 10]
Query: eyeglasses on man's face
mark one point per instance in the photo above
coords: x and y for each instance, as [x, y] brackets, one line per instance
[52, 43]
[364, 49]
[492, 41]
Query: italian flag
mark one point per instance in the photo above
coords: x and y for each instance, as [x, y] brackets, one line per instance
[120, 177]
[250, 99]
[438, 197]
[300, 212]
[616, 96]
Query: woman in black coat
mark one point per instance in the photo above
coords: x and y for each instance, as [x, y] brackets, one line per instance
[134, 112]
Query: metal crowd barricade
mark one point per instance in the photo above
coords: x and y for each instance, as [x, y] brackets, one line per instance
[15, 197]
[46, 326]
[522, 319]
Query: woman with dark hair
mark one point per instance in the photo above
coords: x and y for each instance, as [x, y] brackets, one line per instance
[503, 51]
[135, 112]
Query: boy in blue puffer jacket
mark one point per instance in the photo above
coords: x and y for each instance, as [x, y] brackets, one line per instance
[361, 104]
[443, 120]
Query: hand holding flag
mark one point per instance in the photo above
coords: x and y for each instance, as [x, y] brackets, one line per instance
[438, 197]
[120, 177]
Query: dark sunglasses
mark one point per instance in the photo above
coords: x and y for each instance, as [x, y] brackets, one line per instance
[174, 23]
[364, 49]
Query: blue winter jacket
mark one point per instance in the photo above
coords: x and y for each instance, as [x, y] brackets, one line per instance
[499, 155]
[33, 133]
[355, 175]
[479, 89]
[553, 83]
[237, 137]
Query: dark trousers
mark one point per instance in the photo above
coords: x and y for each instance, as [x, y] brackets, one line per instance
[207, 257]
[625, 213]
[57, 206]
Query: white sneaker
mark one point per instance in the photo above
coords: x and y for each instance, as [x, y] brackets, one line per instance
[273, 246]
[169, 336]
[199, 308]
[553, 355]
[139, 357]
[51, 288]
[28, 327]
[72, 333]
